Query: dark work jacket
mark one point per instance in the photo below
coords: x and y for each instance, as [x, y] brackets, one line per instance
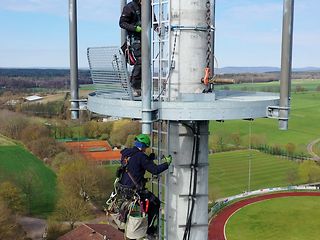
[137, 166]
[130, 18]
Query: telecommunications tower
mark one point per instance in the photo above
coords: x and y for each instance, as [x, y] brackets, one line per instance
[178, 100]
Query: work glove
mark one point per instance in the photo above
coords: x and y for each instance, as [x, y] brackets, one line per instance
[168, 159]
[138, 29]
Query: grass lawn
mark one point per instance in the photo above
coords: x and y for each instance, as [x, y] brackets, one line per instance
[228, 172]
[294, 218]
[31, 175]
[303, 124]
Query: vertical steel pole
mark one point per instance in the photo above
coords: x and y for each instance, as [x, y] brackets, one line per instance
[123, 31]
[185, 200]
[286, 63]
[181, 181]
[146, 66]
[74, 89]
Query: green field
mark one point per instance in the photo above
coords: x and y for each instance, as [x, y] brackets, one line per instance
[229, 172]
[303, 124]
[87, 87]
[29, 173]
[307, 84]
[294, 218]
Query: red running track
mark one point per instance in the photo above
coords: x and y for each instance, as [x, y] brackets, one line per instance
[216, 225]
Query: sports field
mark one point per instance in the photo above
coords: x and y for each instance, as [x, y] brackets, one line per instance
[303, 124]
[36, 180]
[293, 218]
[229, 172]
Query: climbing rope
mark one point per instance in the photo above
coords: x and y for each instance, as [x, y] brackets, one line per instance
[207, 74]
[208, 21]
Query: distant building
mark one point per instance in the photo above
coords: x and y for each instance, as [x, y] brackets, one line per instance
[33, 98]
[110, 119]
[93, 232]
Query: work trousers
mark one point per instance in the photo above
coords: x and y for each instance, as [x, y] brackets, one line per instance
[136, 72]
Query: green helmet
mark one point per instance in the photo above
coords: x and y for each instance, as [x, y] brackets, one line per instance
[143, 138]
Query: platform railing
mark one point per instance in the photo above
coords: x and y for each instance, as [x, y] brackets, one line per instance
[109, 72]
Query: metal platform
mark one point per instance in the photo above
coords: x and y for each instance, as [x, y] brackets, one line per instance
[220, 105]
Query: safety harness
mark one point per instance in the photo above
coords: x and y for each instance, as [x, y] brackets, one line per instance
[124, 169]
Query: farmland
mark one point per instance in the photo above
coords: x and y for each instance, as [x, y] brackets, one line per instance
[303, 124]
[306, 84]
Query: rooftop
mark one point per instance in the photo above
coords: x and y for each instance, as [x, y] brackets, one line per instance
[95, 150]
[93, 232]
[33, 98]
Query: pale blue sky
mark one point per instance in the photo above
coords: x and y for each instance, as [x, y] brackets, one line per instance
[34, 33]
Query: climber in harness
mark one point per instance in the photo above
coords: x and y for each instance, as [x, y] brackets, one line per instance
[134, 163]
[130, 20]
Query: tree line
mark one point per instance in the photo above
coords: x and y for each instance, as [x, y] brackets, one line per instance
[267, 77]
[17, 79]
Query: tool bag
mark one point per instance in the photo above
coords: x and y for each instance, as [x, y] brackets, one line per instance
[120, 217]
[137, 223]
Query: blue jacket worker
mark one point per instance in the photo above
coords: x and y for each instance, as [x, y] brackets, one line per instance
[137, 162]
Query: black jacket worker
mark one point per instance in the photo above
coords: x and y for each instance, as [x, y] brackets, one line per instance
[130, 20]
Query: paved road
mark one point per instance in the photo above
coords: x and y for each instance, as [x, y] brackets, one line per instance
[33, 226]
[310, 149]
[217, 224]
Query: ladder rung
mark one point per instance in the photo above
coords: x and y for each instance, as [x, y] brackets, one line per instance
[162, 132]
[194, 225]
[188, 165]
[161, 150]
[197, 195]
